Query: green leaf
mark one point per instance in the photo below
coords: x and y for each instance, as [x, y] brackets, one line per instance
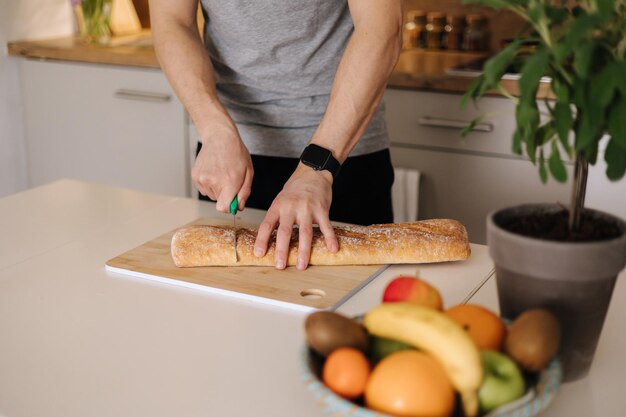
[535, 12]
[543, 173]
[562, 113]
[619, 69]
[495, 67]
[557, 15]
[533, 70]
[617, 122]
[544, 133]
[472, 124]
[527, 116]
[590, 126]
[527, 113]
[580, 93]
[602, 87]
[615, 157]
[605, 7]
[591, 152]
[557, 167]
[583, 58]
[574, 34]
[473, 91]
[563, 122]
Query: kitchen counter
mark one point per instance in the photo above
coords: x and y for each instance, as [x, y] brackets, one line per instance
[423, 70]
[78, 340]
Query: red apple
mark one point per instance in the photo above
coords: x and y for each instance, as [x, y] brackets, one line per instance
[414, 290]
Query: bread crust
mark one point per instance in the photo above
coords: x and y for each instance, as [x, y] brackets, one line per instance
[435, 240]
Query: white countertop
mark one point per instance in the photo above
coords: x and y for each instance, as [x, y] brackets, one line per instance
[76, 340]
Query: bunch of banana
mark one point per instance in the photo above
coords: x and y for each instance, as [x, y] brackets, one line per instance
[434, 333]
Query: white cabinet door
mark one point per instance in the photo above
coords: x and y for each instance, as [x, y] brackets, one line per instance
[116, 125]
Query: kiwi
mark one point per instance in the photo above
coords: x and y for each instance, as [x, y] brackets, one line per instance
[533, 339]
[327, 331]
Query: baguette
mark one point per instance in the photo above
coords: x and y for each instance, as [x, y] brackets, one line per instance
[436, 240]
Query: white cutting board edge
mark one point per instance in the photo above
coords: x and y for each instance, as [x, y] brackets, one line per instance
[242, 296]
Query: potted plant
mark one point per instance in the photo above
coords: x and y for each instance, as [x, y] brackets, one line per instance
[563, 258]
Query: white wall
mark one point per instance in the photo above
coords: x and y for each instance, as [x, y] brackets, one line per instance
[21, 20]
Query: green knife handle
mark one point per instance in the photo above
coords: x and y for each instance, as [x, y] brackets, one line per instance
[233, 206]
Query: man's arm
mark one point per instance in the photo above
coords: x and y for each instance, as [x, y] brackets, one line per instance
[362, 74]
[223, 168]
[357, 90]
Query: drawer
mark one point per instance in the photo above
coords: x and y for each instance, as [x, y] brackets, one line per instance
[435, 120]
[115, 125]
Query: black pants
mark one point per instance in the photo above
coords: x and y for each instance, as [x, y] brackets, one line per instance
[361, 191]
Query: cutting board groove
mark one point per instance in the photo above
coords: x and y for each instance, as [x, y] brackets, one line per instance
[287, 288]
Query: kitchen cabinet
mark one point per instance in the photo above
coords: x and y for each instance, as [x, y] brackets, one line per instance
[463, 178]
[111, 124]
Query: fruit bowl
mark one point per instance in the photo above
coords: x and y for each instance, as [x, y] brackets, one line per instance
[542, 389]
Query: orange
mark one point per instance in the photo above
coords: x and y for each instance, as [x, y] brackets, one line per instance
[346, 371]
[410, 383]
[484, 326]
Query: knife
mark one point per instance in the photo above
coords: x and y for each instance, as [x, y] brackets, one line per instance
[233, 210]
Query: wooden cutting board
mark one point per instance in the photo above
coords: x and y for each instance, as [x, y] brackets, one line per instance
[318, 287]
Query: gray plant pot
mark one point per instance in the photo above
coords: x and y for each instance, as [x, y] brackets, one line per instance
[574, 280]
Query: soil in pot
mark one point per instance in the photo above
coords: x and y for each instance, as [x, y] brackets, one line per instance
[553, 225]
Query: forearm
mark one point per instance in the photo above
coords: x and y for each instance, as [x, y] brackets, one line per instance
[188, 69]
[359, 84]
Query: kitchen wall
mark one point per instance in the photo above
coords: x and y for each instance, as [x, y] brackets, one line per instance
[22, 19]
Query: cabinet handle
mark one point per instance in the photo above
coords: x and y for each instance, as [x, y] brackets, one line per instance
[453, 124]
[142, 96]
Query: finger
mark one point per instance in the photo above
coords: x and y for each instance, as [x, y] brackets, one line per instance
[203, 185]
[265, 233]
[329, 234]
[246, 189]
[305, 236]
[206, 192]
[283, 240]
[225, 197]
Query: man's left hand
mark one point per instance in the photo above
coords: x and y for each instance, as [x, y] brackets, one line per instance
[304, 201]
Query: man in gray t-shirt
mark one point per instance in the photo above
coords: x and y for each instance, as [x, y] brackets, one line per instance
[272, 79]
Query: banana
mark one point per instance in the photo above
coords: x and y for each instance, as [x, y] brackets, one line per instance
[434, 333]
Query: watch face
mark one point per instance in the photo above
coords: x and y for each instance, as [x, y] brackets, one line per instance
[315, 157]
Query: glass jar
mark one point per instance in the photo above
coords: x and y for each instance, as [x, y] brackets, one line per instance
[92, 18]
[476, 37]
[435, 30]
[454, 30]
[415, 29]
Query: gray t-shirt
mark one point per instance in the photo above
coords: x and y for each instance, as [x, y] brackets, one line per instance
[275, 61]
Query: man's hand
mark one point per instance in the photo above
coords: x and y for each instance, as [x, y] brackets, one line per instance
[304, 201]
[223, 168]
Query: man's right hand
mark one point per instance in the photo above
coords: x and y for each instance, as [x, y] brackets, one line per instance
[223, 168]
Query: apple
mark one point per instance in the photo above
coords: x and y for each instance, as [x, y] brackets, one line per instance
[412, 289]
[502, 381]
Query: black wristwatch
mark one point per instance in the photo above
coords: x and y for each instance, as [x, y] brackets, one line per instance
[319, 159]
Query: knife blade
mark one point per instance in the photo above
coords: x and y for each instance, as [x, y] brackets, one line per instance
[233, 210]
